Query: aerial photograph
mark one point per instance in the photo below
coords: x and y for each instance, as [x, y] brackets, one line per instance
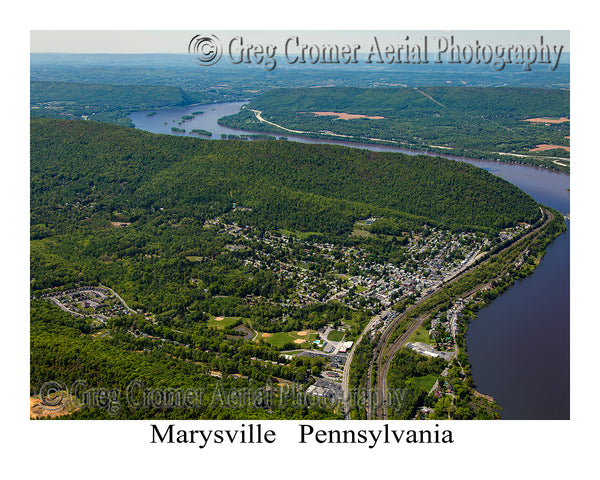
[299, 225]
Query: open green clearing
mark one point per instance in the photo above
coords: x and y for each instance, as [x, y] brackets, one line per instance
[224, 323]
[335, 336]
[421, 334]
[299, 234]
[360, 232]
[194, 258]
[423, 383]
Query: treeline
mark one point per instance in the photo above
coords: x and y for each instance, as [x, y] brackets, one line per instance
[62, 351]
[470, 121]
[302, 187]
[358, 380]
[105, 102]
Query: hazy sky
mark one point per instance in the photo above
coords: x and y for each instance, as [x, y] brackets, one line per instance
[168, 41]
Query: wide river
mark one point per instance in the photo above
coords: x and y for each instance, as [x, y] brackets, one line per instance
[519, 344]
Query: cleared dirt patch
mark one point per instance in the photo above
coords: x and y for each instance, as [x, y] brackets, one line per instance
[37, 410]
[298, 340]
[346, 116]
[120, 224]
[302, 333]
[219, 319]
[544, 146]
[266, 335]
[547, 120]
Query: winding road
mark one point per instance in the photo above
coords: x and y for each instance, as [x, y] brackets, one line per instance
[384, 354]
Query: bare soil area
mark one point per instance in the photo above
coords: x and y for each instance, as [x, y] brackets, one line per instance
[346, 116]
[547, 120]
[37, 410]
[544, 146]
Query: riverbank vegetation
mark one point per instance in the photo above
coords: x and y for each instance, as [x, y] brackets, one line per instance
[456, 397]
[143, 214]
[104, 102]
[477, 122]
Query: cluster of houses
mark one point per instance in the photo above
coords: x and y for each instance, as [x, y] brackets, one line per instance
[509, 233]
[324, 272]
[89, 301]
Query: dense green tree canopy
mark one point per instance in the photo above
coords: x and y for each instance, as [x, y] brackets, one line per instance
[471, 121]
[288, 185]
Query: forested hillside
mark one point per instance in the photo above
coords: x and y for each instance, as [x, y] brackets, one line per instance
[289, 185]
[105, 102]
[470, 121]
[153, 216]
[400, 102]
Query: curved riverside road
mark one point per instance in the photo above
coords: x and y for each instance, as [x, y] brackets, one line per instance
[258, 113]
[546, 186]
[383, 357]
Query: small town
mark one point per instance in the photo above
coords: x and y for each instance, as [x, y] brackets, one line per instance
[324, 272]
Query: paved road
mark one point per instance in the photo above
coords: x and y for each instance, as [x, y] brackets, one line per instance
[383, 357]
[258, 117]
[346, 376]
[117, 295]
[62, 307]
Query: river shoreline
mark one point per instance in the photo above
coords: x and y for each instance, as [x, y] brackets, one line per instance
[313, 137]
[511, 326]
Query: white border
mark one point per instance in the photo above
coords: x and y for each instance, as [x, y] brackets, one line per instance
[520, 449]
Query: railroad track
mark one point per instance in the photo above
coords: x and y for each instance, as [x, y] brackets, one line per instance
[383, 354]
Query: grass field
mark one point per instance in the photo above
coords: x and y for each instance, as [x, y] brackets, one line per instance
[298, 234]
[424, 383]
[335, 336]
[279, 339]
[420, 335]
[220, 324]
[360, 230]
